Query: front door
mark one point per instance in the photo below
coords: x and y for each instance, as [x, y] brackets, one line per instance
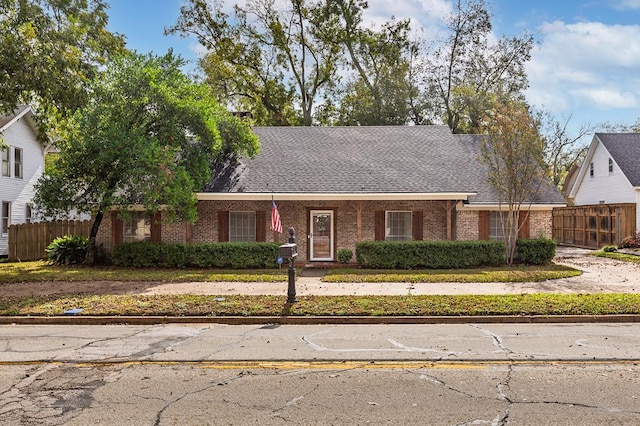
[321, 235]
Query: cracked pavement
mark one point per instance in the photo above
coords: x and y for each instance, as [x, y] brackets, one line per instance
[466, 374]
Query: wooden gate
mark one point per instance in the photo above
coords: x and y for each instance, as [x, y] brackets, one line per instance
[29, 240]
[594, 226]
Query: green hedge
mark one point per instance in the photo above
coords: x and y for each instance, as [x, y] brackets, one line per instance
[429, 254]
[536, 251]
[209, 255]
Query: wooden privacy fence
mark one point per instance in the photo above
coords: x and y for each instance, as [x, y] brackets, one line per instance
[29, 240]
[594, 226]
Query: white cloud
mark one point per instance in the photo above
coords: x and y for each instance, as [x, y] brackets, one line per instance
[585, 65]
[627, 4]
[606, 98]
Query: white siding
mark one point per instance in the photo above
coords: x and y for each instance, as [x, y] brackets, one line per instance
[606, 187]
[15, 190]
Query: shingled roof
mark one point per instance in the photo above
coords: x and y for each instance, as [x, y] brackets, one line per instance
[625, 151]
[363, 160]
[5, 119]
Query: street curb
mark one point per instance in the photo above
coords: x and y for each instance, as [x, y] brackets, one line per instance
[312, 320]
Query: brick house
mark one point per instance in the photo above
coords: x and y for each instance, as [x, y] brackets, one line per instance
[340, 185]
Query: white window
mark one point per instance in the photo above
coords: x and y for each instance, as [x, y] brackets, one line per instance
[137, 227]
[28, 213]
[591, 172]
[17, 163]
[6, 170]
[6, 217]
[610, 165]
[242, 226]
[495, 225]
[397, 226]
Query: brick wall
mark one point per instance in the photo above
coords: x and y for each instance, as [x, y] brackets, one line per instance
[467, 225]
[541, 224]
[296, 214]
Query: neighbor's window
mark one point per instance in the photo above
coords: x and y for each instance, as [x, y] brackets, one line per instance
[610, 165]
[591, 170]
[28, 213]
[17, 163]
[6, 217]
[5, 162]
[242, 226]
[137, 227]
[397, 226]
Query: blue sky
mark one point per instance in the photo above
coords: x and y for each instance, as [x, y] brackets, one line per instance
[586, 64]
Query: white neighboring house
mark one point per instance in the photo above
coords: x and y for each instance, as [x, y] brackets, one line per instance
[610, 173]
[22, 165]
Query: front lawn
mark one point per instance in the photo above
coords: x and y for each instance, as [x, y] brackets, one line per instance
[238, 305]
[39, 271]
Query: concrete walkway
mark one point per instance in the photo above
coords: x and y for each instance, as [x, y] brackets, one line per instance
[600, 275]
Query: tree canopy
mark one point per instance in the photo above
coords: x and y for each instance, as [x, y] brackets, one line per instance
[319, 62]
[148, 137]
[50, 51]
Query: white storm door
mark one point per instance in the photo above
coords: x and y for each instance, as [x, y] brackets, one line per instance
[321, 235]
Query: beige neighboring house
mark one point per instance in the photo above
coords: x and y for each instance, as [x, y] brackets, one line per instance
[340, 185]
[22, 166]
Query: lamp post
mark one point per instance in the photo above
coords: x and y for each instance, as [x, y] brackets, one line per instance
[290, 251]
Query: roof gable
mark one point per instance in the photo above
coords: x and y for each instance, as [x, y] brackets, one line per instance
[17, 114]
[625, 151]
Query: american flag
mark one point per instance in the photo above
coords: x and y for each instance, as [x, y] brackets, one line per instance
[276, 224]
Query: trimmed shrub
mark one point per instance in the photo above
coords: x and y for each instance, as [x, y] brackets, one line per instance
[429, 254]
[67, 250]
[536, 251]
[345, 255]
[206, 255]
[609, 249]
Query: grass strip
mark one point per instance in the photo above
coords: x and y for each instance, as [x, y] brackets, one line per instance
[40, 271]
[517, 273]
[618, 256]
[236, 305]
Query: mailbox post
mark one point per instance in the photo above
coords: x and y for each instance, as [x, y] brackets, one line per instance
[290, 251]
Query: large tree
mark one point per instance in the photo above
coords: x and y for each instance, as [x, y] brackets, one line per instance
[268, 58]
[50, 50]
[513, 151]
[379, 64]
[469, 69]
[149, 136]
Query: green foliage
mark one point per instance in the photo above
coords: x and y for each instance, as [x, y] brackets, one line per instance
[67, 250]
[50, 50]
[345, 255]
[609, 249]
[429, 254]
[206, 255]
[536, 251]
[363, 306]
[148, 137]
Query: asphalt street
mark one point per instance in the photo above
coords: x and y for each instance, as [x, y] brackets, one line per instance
[198, 374]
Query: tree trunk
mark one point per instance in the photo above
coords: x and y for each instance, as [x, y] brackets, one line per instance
[92, 250]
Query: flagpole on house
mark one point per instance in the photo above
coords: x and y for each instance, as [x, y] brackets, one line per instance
[276, 222]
